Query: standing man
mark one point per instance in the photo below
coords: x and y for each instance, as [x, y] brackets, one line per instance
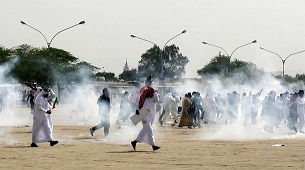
[300, 126]
[167, 107]
[149, 98]
[104, 113]
[42, 130]
[30, 100]
[186, 103]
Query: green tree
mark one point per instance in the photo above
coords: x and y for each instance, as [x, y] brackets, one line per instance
[5, 54]
[48, 66]
[239, 71]
[217, 65]
[173, 62]
[129, 75]
[109, 76]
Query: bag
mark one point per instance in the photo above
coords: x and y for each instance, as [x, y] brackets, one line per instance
[135, 119]
[179, 109]
[191, 109]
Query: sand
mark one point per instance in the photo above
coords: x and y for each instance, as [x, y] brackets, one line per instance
[232, 147]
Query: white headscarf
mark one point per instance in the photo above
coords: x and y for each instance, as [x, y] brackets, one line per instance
[42, 93]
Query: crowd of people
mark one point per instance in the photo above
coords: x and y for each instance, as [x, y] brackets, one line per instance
[193, 110]
[190, 110]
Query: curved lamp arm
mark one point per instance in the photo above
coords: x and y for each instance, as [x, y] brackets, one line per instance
[184, 31]
[294, 54]
[36, 30]
[80, 23]
[133, 36]
[273, 53]
[242, 46]
[216, 46]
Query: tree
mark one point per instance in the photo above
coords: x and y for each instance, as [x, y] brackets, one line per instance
[173, 62]
[239, 71]
[48, 66]
[129, 75]
[109, 76]
[5, 54]
[217, 65]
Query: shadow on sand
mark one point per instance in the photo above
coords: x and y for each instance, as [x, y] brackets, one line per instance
[131, 151]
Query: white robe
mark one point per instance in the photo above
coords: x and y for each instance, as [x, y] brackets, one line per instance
[42, 122]
[167, 106]
[301, 114]
[209, 104]
[146, 134]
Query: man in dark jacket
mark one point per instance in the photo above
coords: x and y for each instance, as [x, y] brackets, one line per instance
[104, 113]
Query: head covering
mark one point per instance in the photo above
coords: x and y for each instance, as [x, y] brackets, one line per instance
[148, 81]
[126, 93]
[105, 89]
[46, 91]
[147, 93]
[41, 93]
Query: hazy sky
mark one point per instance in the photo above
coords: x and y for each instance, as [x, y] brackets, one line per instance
[104, 40]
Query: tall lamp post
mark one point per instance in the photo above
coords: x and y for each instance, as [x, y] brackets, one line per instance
[49, 43]
[162, 63]
[283, 60]
[254, 41]
[162, 72]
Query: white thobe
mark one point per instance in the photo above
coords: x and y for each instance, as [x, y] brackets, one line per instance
[209, 104]
[167, 106]
[146, 134]
[285, 107]
[42, 122]
[245, 107]
[301, 114]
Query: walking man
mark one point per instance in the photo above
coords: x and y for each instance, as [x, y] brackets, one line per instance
[42, 130]
[104, 113]
[149, 98]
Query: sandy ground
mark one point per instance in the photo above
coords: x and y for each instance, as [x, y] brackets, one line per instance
[211, 147]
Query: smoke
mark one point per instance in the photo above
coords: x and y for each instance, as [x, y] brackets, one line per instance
[11, 95]
[78, 106]
[240, 83]
[12, 111]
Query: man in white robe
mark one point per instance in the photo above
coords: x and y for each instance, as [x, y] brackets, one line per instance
[245, 107]
[210, 106]
[300, 126]
[285, 107]
[42, 122]
[149, 98]
[169, 101]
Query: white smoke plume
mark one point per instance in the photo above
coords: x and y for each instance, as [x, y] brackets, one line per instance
[219, 85]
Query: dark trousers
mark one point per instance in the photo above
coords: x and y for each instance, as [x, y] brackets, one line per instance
[105, 125]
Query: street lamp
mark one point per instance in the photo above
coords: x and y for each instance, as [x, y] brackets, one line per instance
[161, 78]
[254, 41]
[133, 36]
[162, 63]
[215, 46]
[283, 60]
[49, 43]
[225, 50]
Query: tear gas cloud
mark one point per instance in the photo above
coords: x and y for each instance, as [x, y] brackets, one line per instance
[219, 85]
[11, 95]
[78, 105]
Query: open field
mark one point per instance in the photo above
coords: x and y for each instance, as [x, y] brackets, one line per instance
[211, 147]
